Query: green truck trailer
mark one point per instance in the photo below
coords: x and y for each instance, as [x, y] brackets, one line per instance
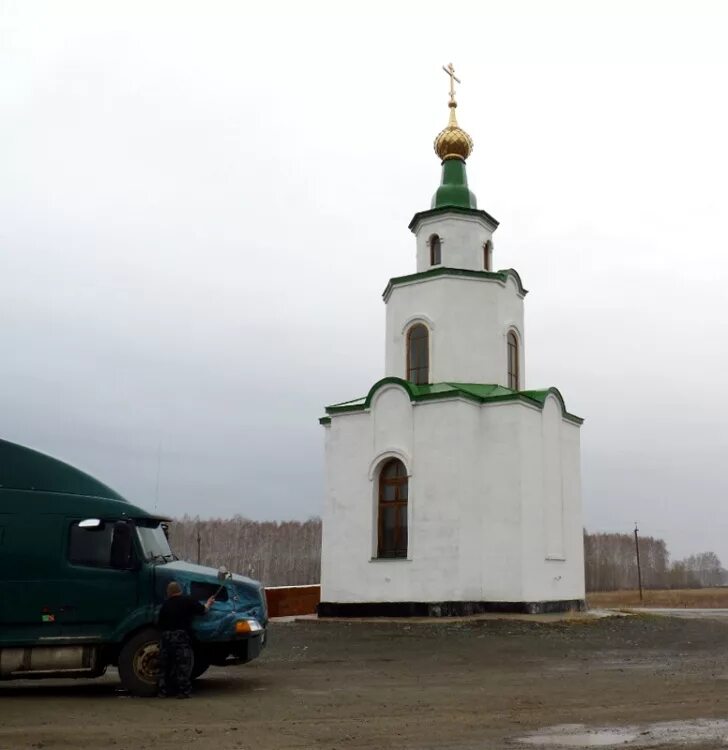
[83, 573]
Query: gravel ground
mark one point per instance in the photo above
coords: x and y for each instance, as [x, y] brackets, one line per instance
[419, 686]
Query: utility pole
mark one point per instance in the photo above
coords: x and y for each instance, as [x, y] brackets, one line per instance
[639, 567]
[199, 539]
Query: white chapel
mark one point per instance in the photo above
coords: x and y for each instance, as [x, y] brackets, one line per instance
[452, 488]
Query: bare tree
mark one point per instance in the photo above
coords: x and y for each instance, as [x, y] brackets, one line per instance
[283, 553]
[610, 563]
[697, 571]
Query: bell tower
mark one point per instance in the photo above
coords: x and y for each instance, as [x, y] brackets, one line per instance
[470, 312]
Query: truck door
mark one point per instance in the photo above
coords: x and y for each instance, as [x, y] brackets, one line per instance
[100, 583]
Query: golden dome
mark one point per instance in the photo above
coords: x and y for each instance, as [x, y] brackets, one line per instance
[453, 142]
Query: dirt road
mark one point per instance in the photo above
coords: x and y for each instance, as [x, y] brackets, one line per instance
[484, 684]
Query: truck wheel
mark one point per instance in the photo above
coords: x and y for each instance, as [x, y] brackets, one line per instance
[139, 663]
[201, 665]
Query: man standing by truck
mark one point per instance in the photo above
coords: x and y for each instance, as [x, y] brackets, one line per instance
[176, 657]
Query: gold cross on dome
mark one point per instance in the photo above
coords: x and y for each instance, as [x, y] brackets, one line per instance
[451, 72]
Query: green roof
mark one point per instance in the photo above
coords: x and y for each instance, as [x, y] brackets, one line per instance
[481, 393]
[453, 190]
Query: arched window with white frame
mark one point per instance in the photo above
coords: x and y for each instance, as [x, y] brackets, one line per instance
[488, 256]
[418, 354]
[435, 250]
[514, 371]
[392, 510]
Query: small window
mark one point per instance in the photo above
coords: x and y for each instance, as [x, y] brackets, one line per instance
[513, 369]
[392, 523]
[91, 546]
[488, 255]
[203, 591]
[435, 250]
[418, 354]
[109, 545]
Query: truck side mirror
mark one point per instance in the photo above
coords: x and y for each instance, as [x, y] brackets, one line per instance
[122, 547]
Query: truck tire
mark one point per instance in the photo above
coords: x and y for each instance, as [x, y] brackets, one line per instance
[139, 663]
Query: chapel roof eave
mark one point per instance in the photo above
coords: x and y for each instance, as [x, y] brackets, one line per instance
[434, 212]
[499, 276]
[481, 393]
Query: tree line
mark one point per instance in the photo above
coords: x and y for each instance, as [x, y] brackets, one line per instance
[288, 553]
[610, 564]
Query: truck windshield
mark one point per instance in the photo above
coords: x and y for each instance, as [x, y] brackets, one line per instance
[153, 540]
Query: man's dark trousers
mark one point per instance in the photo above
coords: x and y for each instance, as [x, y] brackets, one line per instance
[176, 659]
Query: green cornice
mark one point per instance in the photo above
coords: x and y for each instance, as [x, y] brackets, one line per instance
[433, 273]
[453, 190]
[481, 393]
[418, 217]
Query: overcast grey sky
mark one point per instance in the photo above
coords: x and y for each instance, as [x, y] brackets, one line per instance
[201, 203]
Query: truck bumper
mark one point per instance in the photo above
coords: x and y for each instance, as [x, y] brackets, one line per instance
[250, 648]
[235, 652]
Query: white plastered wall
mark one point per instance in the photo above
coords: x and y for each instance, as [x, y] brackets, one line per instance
[480, 501]
[462, 238]
[553, 545]
[356, 445]
[468, 318]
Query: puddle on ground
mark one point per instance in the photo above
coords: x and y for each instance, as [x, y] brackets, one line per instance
[592, 738]
[672, 733]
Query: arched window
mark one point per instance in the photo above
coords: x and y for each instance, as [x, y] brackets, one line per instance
[418, 354]
[488, 255]
[435, 250]
[514, 375]
[392, 510]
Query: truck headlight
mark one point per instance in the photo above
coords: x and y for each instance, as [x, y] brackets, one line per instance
[248, 626]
